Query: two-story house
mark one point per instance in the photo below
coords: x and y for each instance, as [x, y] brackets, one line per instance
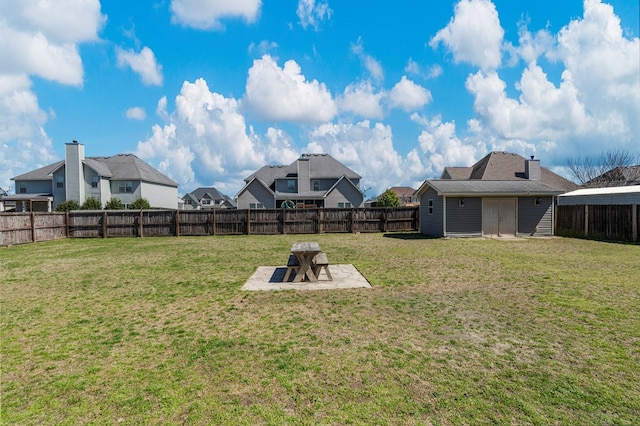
[207, 198]
[124, 177]
[313, 180]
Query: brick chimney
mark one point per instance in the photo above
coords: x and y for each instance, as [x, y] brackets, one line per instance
[532, 169]
[73, 172]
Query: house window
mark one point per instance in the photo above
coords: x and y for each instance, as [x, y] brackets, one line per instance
[291, 185]
[254, 206]
[430, 206]
[22, 188]
[316, 185]
[125, 187]
[205, 202]
[60, 181]
[94, 182]
[344, 205]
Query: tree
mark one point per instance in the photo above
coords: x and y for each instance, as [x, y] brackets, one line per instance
[388, 199]
[611, 168]
[114, 204]
[140, 204]
[68, 205]
[91, 203]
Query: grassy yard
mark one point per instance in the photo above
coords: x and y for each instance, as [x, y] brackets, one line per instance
[466, 331]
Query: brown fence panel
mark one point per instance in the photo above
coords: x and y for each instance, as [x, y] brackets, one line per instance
[300, 221]
[158, 223]
[230, 222]
[20, 228]
[265, 221]
[196, 222]
[605, 222]
[15, 228]
[570, 221]
[123, 223]
[336, 220]
[49, 226]
[401, 219]
[611, 222]
[86, 224]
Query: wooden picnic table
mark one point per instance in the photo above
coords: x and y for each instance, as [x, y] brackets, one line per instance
[305, 252]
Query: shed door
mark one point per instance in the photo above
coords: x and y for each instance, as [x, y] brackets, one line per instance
[499, 216]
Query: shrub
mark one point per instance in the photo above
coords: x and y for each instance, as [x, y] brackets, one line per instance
[388, 199]
[114, 204]
[68, 205]
[91, 203]
[140, 204]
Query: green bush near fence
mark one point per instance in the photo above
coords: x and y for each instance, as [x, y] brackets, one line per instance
[453, 331]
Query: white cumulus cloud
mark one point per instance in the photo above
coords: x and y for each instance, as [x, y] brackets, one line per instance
[473, 35]
[143, 63]
[362, 99]
[136, 113]
[207, 14]
[408, 95]
[284, 94]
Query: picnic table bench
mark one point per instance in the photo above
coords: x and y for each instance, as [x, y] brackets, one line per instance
[307, 260]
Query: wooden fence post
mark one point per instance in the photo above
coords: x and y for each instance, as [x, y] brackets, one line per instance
[140, 231]
[104, 224]
[634, 222]
[177, 223]
[33, 227]
[248, 221]
[586, 220]
[66, 223]
[213, 222]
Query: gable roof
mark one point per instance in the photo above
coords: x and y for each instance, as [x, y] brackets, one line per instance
[403, 191]
[117, 167]
[320, 166]
[43, 173]
[618, 176]
[505, 166]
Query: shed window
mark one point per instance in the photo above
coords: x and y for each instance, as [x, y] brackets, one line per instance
[430, 206]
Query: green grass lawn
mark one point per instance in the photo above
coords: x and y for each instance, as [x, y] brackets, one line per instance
[454, 331]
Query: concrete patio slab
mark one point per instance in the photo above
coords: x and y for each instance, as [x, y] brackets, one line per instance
[270, 278]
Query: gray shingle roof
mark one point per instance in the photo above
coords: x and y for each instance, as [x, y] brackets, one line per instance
[505, 166]
[320, 166]
[497, 187]
[118, 167]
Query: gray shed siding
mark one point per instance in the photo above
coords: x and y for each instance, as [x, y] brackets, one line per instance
[535, 220]
[256, 193]
[432, 223]
[466, 220]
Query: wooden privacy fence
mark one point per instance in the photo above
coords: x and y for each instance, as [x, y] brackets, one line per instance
[606, 222]
[19, 228]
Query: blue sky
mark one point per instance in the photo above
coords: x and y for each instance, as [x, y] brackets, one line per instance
[209, 91]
